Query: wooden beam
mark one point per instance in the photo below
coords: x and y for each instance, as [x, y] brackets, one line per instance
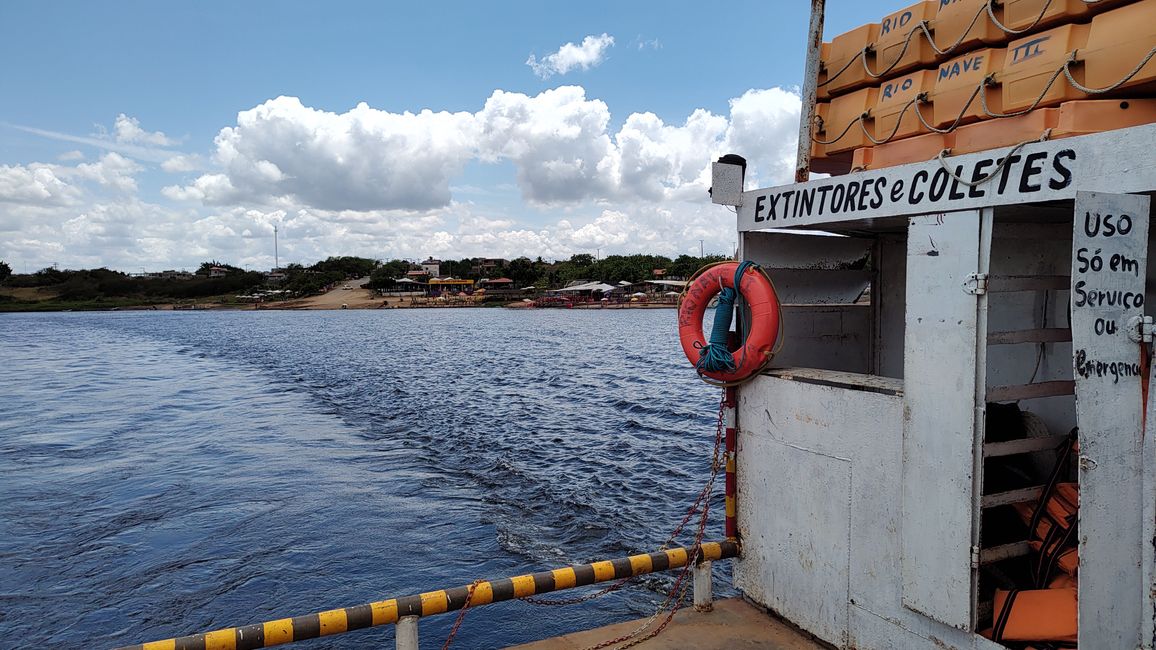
[1023, 446]
[1030, 391]
[1022, 495]
[1049, 335]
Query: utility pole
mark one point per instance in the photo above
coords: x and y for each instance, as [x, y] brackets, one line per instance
[700, 255]
[276, 258]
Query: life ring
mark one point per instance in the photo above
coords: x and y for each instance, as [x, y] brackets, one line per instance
[758, 293]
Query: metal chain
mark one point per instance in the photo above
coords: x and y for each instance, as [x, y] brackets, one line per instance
[461, 614]
[716, 465]
[681, 584]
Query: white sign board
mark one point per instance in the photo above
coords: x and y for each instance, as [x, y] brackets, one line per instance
[1109, 263]
[1117, 161]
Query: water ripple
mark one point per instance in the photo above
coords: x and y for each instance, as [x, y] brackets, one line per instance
[165, 473]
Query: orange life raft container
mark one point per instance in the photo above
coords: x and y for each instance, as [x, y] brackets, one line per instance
[759, 295]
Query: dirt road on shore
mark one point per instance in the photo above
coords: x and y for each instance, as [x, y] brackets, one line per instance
[356, 296]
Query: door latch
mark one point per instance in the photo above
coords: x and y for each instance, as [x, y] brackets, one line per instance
[1141, 329]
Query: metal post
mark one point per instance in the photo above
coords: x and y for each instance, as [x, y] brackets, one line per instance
[730, 414]
[406, 633]
[702, 587]
[810, 91]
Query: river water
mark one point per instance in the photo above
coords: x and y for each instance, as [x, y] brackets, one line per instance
[165, 473]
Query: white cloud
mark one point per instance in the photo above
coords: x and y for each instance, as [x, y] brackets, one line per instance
[648, 44]
[764, 128]
[364, 159]
[127, 130]
[36, 184]
[283, 152]
[112, 170]
[127, 138]
[183, 163]
[558, 141]
[70, 156]
[591, 52]
[375, 183]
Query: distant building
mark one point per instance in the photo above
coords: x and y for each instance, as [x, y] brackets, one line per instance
[432, 267]
[166, 275]
[497, 282]
[417, 273]
[487, 264]
[218, 272]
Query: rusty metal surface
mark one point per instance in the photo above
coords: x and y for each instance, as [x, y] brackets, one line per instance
[810, 91]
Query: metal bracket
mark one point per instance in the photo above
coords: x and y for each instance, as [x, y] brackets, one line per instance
[975, 284]
[975, 557]
[1140, 329]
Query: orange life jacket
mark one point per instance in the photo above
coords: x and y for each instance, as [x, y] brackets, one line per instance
[1036, 615]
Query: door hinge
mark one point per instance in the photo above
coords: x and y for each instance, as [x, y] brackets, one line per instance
[1141, 329]
[975, 557]
[975, 284]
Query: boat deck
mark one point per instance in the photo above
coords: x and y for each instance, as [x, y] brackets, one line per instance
[734, 624]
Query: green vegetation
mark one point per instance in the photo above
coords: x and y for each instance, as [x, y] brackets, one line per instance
[215, 281]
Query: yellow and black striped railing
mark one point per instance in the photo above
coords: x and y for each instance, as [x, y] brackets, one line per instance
[386, 612]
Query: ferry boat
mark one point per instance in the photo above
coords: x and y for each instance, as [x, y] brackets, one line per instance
[900, 465]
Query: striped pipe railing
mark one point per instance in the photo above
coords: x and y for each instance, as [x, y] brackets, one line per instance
[409, 608]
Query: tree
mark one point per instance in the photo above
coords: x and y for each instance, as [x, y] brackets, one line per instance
[347, 265]
[385, 275]
[5, 271]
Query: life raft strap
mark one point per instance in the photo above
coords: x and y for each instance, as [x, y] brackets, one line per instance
[714, 356]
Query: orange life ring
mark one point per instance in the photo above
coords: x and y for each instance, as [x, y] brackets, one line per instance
[759, 295]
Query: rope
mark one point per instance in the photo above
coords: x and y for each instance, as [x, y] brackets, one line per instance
[906, 44]
[922, 99]
[995, 21]
[989, 7]
[845, 130]
[898, 123]
[989, 113]
[926, 32]
[714, 356]
[998, 168]
[1098, 91]
[846, 65]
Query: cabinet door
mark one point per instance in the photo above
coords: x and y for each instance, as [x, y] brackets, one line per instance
[1109, 264]
[940, 435]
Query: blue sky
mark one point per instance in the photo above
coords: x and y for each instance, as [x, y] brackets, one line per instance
[155, 135]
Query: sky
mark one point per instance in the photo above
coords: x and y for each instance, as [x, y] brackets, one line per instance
[145, 136]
